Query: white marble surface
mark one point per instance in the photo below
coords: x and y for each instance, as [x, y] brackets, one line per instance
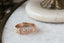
[35, 11]
[47, 33]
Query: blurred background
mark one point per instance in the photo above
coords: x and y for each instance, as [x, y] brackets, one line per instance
[7, 5]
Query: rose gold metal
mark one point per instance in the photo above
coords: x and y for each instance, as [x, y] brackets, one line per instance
[25, 28]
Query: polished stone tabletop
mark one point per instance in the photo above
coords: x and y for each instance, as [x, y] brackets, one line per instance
[46, 32]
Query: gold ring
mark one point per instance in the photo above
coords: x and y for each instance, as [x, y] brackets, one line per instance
[25, 28]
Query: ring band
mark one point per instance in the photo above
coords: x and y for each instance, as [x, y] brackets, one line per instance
[25, 28]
